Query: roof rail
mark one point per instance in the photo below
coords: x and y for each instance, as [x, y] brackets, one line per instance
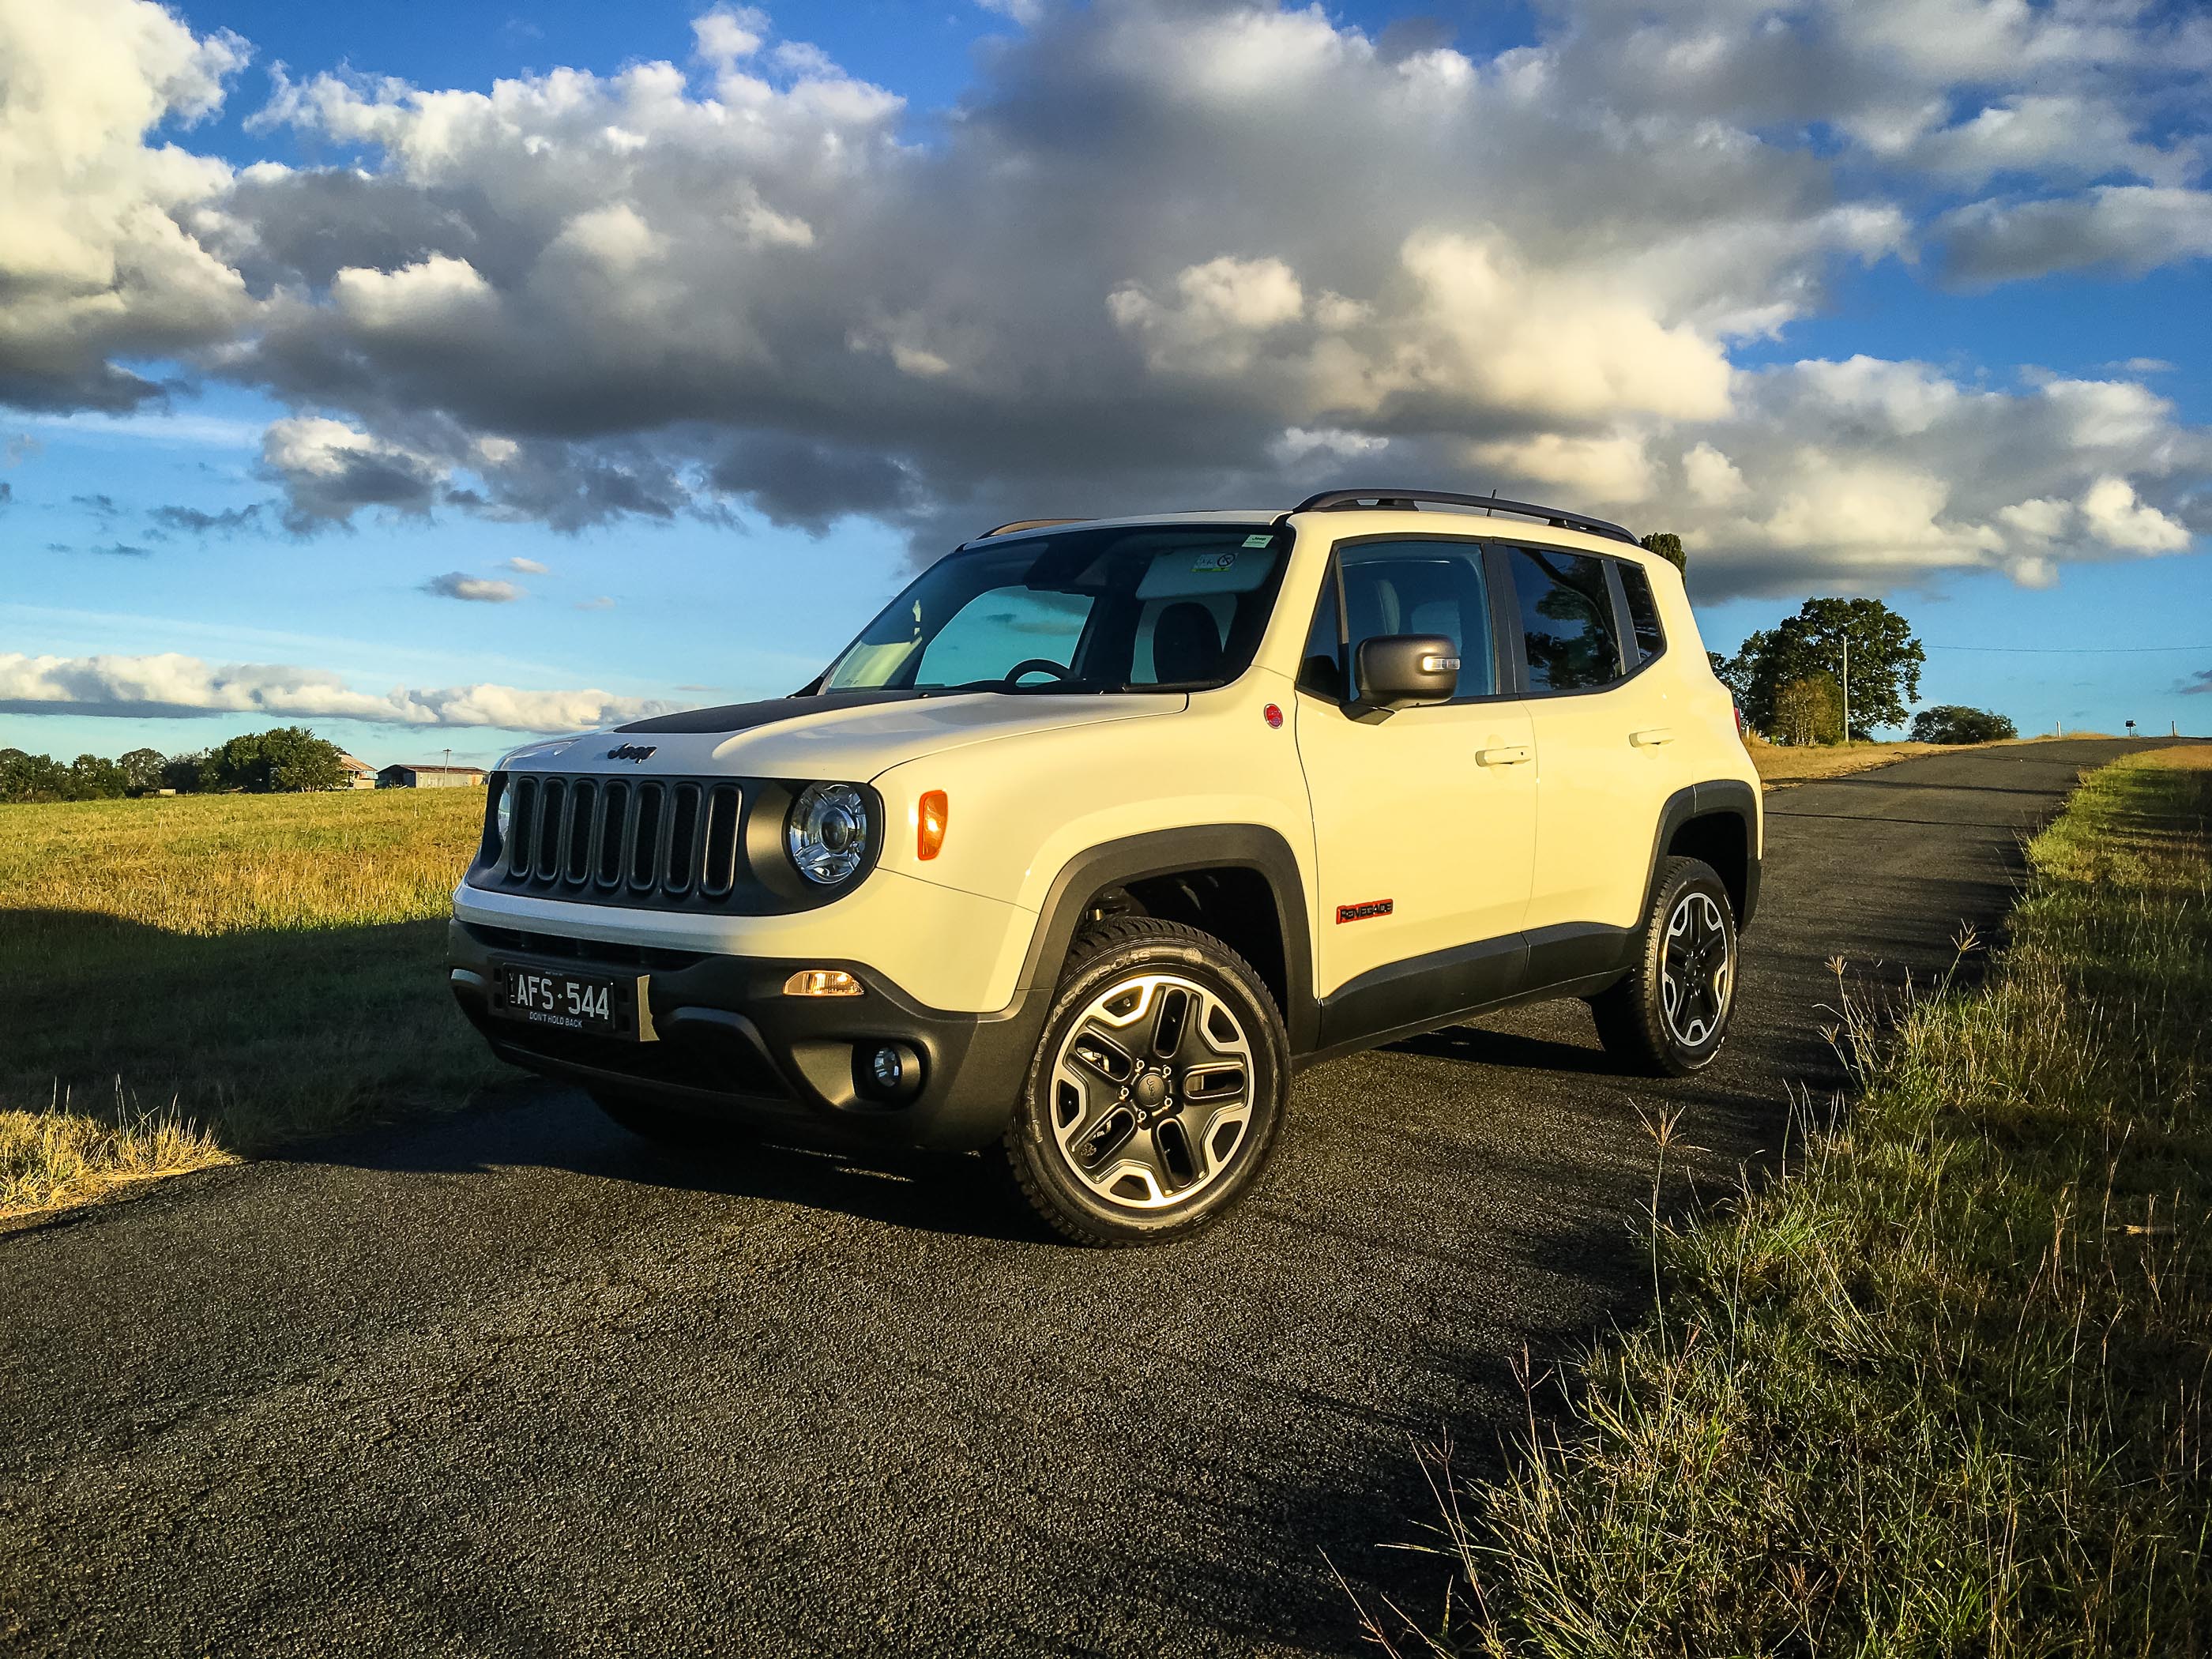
[1023, 524]
[1558, 518]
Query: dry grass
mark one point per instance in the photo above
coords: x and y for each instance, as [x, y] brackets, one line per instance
[264, 967]
[1942, 1388]
[1787, 763]
[1793, 764]
[61, 1156]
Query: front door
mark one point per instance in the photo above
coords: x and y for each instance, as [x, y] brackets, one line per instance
[1424, 820]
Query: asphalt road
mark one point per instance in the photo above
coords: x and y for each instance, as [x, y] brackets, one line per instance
[515, 1383]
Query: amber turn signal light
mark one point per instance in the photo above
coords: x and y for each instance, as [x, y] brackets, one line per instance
[822, 983]
[929, 824]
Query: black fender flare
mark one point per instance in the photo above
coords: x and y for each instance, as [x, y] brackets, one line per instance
[1731, 797]
[1171, 852]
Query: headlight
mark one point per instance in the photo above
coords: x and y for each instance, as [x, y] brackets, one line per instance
[828, 832]
[503, 815]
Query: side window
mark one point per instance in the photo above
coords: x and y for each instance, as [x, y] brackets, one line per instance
[1567, 619]
[1002, 627]
[1643, 611]
[1405, 587]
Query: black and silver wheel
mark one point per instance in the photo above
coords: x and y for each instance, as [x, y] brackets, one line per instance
[1156, 1089]
[1670, 1015]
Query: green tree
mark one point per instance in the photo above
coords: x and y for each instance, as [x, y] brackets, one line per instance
[1885, 661]
[32, 777]
[1669, 546]
[1810, 710]
[185, 773]
[283, 759]
[93, 777]
[142, 769]
[1951, 722]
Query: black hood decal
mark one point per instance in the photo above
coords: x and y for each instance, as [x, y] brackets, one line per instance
[744, 716]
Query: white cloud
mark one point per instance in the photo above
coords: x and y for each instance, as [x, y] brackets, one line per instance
[1273, 242]
[1712, 479]
[2133, 227]
[1610, 471]
[329, 468]
[729, 33]
[171, 684]
[96, 259]
[524, 567]
[483, 590]
[2117, 519]
[1298, 444]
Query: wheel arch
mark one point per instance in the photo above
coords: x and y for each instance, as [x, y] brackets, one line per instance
[1716, 822]
[1253, 900]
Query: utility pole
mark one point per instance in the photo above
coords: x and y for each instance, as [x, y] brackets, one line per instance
[1847, 687]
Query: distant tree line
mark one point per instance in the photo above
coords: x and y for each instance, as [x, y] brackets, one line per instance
[283, 759]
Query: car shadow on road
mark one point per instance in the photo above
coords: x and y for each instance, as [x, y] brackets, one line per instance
[532, 1124]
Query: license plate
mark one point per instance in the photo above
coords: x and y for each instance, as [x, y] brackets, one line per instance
[601, 1005]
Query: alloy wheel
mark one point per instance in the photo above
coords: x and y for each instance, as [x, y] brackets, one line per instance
[1151, 1091]
[1697, 971]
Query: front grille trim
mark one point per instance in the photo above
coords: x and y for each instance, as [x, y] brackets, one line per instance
[630, 840]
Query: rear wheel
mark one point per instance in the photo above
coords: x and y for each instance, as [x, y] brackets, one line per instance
[1154, 1098]
[1670, 1015]
[667, 1126]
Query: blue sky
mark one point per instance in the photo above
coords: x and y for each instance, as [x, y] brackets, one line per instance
[699, 394]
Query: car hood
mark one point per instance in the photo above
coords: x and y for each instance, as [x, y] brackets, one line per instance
[851, 735]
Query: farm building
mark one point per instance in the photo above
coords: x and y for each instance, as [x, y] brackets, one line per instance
[359, 774]
[430, 777]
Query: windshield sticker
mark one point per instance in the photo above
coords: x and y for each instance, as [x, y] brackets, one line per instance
[1257, 541]
[1213, 564]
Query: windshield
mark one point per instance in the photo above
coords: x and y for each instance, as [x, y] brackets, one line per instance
[1143, 607]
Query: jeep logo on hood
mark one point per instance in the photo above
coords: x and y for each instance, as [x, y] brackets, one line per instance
[633, 751]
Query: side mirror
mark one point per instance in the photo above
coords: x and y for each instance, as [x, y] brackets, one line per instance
[1395, 671]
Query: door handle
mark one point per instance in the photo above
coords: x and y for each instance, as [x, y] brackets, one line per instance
[1650, 736]
[1512, 755]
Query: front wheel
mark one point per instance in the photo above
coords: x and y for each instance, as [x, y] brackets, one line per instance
[1670, 1015]
[1155, 1096]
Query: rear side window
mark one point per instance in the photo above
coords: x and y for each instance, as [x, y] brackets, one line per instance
[1405, 587]
[1643, 611]
[1566, 620]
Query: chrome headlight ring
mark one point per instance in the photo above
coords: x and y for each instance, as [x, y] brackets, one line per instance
[831, 833]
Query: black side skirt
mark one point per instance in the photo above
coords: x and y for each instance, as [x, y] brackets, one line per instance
[1404, 999]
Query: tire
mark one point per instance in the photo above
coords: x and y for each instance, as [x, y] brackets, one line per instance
[1670, 1015]
[668, 1126]
[1154, 1025]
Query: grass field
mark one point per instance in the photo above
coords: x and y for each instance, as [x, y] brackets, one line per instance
[1787, 763]
[1942, 1389]
[193, 978]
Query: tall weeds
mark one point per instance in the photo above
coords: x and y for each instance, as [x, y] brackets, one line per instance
[1940, 1389]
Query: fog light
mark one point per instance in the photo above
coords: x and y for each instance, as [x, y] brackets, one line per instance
[890, 1070]
[822, 983]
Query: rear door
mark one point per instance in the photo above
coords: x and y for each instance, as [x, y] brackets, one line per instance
[1425, 819]
[1603, 741]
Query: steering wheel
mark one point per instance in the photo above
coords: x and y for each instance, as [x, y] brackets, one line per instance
[1039, 666]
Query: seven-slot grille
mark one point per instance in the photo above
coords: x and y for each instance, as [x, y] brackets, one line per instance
[628, 840]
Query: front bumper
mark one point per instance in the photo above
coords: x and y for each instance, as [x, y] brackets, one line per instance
[731, 1045]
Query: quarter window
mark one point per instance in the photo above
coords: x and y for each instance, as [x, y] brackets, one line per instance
[1643, 611]
[1566, 620]
[1405, 587]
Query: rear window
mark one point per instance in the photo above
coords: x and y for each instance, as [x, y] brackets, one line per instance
[1566, 620]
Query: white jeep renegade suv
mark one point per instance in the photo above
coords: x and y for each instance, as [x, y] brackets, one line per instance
[1102, 829]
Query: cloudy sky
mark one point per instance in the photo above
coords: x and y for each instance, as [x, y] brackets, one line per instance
[439, 375]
